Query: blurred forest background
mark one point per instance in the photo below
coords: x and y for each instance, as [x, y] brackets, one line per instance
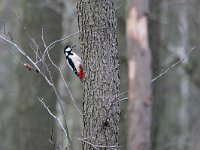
[173, 32]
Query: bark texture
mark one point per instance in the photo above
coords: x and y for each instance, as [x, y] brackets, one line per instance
[97, 25]
[139, 62]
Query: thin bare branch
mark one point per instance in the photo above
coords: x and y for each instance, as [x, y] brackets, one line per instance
[88, 143]
[4, 27]
[64, 83]
[126, 98]
[26, 56]
[162, 73]
[43, 39]
[122, 93]
[50, 46]
[53, 143]
[20, 50]
[65, 129]
[49, 81]
[56, 118]
[95, 146]
[174, 65]
[119, 6]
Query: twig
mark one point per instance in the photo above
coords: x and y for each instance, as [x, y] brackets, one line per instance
[4, 27]
[50, 82]
[163, 73]
[56, 145]
[123, 99]
[43, 39]
[174, 65]
[49, 47]
[119, 6]
[65, 130]
[26, 56]
[64, 83]
[50, 113]
[122, 93]
[88, 143]
[47, 52]
[51, 138]
[97, 146]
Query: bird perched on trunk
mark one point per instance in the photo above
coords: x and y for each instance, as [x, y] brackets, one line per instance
[74, 61]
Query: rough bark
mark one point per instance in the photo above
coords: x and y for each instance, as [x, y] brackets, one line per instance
[97, 26]
[139, 63]
[32, 123]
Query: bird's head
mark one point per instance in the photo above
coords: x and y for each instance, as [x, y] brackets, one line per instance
[68, 49]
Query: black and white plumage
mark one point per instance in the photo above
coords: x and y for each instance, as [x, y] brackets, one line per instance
[74, 61]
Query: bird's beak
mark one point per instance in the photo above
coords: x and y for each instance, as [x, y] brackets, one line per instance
[73, 46]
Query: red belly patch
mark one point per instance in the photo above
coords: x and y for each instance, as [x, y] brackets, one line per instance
[80, 74]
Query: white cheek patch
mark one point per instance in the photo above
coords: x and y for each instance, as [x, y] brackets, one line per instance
[68, 49]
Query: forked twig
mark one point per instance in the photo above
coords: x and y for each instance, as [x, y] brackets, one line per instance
[65, 130]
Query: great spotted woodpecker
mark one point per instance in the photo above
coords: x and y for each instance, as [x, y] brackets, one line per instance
[74, 62]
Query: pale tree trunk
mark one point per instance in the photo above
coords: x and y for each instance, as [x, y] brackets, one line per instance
[97, 25]
[32, 124]
[139, 62]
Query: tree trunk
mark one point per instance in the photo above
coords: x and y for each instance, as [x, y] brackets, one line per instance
[32, 123]
[8, 82]
[139, 62]
[121, 32]
[97, 25]
[178, 124]
[155, 46]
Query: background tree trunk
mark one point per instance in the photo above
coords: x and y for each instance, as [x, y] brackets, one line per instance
[74, 119]
[121, 36]
[33, 125]
[155, 46]
[178, 92]
[139, 62]
[8, 82]
[97, 25]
